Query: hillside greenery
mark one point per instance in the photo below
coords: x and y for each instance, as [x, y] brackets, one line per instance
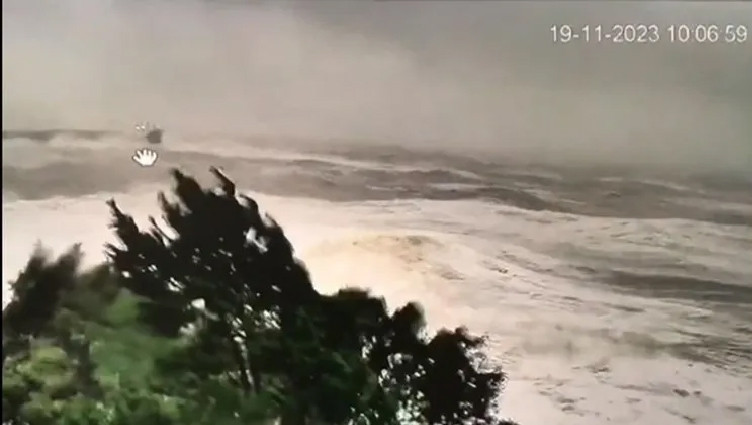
[212, 320]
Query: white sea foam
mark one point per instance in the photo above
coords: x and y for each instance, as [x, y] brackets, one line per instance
[576, 352]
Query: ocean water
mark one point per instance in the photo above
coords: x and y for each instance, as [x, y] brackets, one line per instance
[609, 295]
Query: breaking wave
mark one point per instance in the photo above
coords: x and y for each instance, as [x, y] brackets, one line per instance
[578, 279]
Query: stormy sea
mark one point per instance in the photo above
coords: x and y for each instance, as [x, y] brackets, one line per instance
[584, 202]
[610, 296]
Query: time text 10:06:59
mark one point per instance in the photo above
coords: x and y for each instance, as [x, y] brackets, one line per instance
[650, 33]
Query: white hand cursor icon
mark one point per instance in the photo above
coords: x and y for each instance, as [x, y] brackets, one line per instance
[145, 157]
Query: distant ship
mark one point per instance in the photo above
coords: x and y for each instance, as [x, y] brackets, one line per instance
[154, 136]
[152, 133]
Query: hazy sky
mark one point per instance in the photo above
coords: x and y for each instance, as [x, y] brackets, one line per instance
[457, 75]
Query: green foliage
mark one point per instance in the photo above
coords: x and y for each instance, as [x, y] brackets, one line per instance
[214, 321]
[37, 294]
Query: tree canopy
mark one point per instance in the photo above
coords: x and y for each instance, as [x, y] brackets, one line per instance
[212, 319]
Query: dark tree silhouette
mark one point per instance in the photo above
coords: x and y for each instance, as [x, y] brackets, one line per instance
[43, 292]
[38, 292]
[226, 275]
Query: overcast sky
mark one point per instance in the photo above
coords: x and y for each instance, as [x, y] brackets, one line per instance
[456, 75]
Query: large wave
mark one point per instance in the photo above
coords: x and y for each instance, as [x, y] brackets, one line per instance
[33, 161]
[572, 298]
[50, 134]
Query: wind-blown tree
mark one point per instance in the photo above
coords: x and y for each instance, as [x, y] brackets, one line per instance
[46, 356]
[75, 353]
[38, 291]
[226, 277]
[44, 319]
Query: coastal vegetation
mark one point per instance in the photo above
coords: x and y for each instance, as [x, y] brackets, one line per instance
[211, 319]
